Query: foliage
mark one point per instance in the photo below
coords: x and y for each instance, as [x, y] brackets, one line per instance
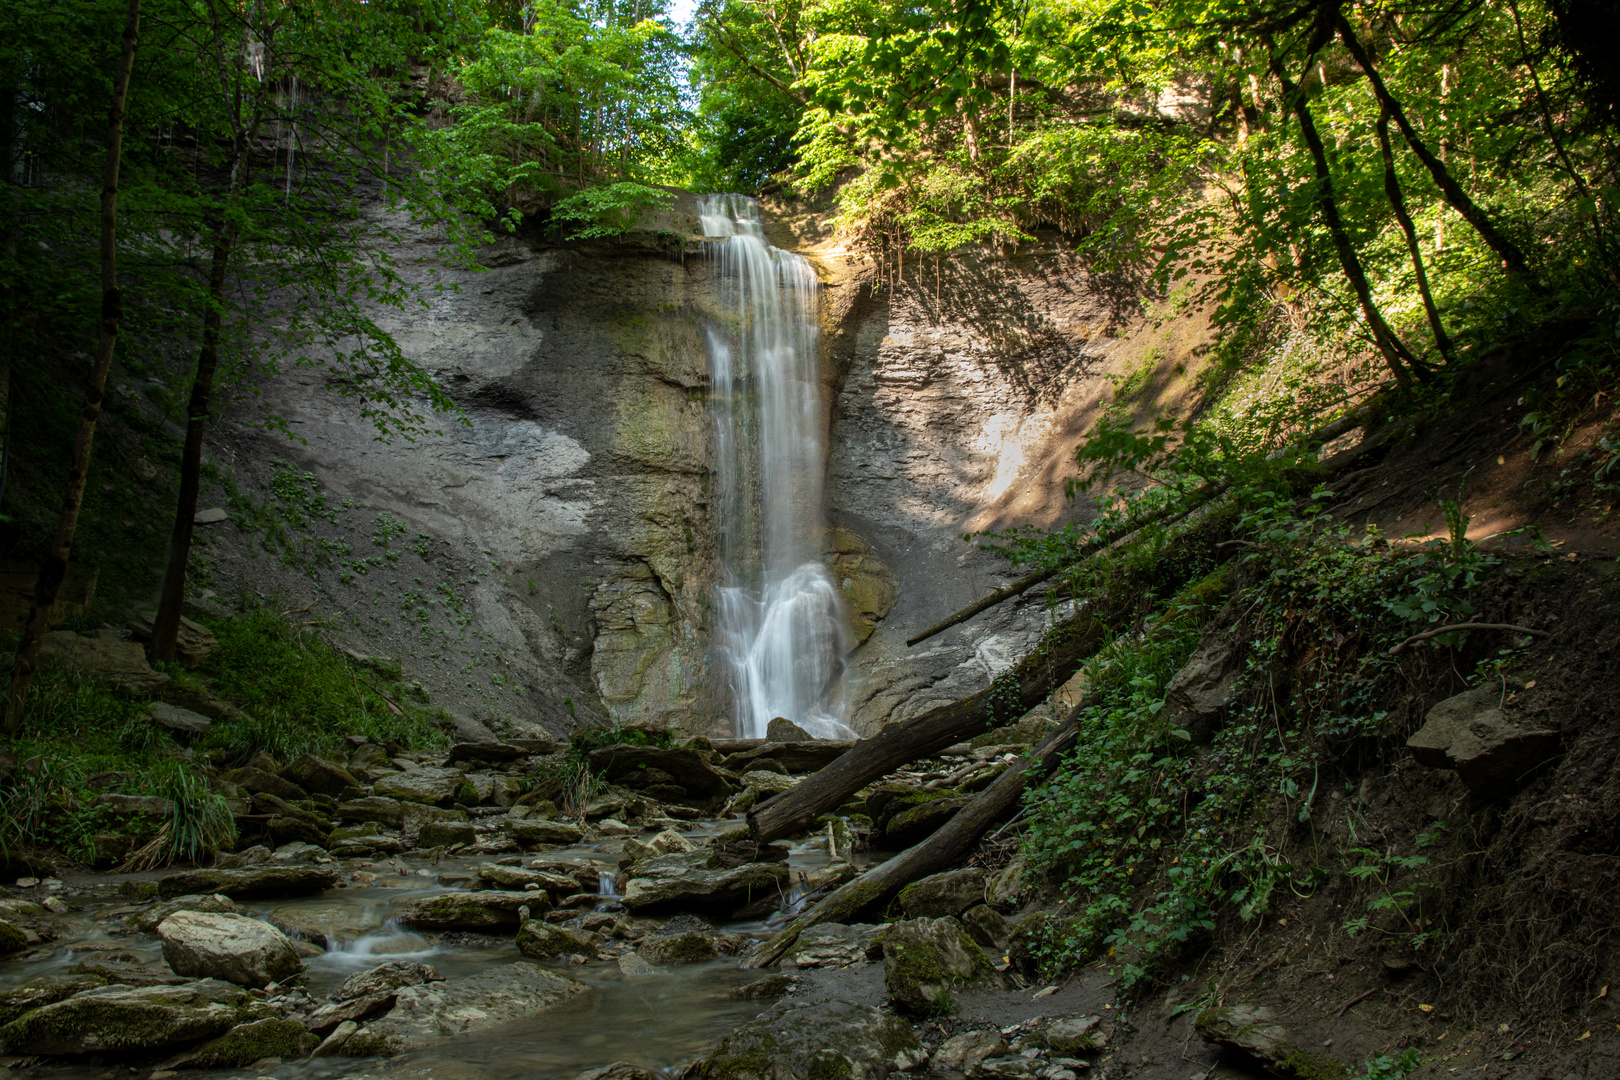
[302, 696]
[1151, 845]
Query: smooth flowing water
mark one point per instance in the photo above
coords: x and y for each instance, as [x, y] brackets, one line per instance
[781, 620]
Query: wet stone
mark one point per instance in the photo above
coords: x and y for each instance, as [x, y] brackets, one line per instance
[793, 1041]
[254, 884]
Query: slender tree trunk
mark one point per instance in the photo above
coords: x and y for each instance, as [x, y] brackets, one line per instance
[1399, 358]
[54, 569]
[1397, 201]
[166, 625]
[1512, 258]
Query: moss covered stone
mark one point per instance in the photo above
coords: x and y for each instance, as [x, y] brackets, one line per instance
[120, 1018]
[12, 938]
[46, 990]
[544, 941]
[834, 1040]
[247, 1043]
[926, 960]
[483, 909]
[1254, 1032]
[688, 948]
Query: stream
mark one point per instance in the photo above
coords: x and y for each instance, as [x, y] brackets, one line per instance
[654, 1019]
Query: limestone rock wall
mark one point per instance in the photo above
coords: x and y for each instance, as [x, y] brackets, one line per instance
[556, 560]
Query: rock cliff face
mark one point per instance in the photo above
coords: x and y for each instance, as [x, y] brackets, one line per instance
[552, 560]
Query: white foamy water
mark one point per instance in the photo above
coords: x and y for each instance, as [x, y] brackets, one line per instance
[781, 626]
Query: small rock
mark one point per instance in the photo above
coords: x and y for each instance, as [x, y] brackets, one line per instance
[321, 777]
[355, 1010]
[181, 721]
[1077, 1035]
[531, 832]
[1491, 753]
[838, 945]
[1253, 1031]
[610, 827]
[781, 729]
[387, 978]
[388, 812]
[484, 909]
[964, 1053]
[631, 964]
[987, 927]
[255, 884]
[333, 1043]
[211, 516]
[619, 1070]
[769, 988]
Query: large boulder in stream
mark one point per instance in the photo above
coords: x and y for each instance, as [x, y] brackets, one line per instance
[255, 884]
[123, 1019]
[423, 1015]
[244, 1044]
[221, 945]
[799, 1041]
[544, 941]
[689, 880]
[429, 785]
[42, 991]
[483, 909]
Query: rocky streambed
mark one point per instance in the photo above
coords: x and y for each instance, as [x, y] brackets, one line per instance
[437, 915]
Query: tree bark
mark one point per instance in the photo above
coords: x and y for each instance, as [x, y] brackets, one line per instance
[1397, 202]
[943, 850]
[1402, 364]
[54, 568]
[171, 602]
[1512, 258]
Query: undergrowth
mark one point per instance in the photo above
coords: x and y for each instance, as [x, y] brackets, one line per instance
[1153, 834]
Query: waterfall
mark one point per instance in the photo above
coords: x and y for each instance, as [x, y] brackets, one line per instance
[781, 626]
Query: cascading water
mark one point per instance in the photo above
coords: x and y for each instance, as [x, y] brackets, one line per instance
[781, 624]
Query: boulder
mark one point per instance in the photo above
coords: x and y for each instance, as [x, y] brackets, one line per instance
[428, 785]
[333, 1043]
[688, 948]
[387, 978]
[13, 938]
[423, 1015]
[1491, 753]
[334, 1014]
[619, 1070]
[150, 805]
[941, 895]
[1252, 1032]
[147, 921]
[838, 945]
[182, 722]
[967, 1052]
[544, 941]
[920, 822]
[924, 960]
[389, 812]
[769, 988]
[1199, 692]
[1004, 889]
[120, 662]
[513, 877]
[685, 880]
[221, 945]
[796, 1041]
[494, 752]
[446, 834]
[257, 883]
[244, 1044]
[986, 926]
[414, 817]
[781, 730]
[530, 832]
[124, 1019]
[321, 777]
[258, 781]
[43, 990]
[765, 784]
[484, 909]
[1074, 1035]
[687, 766]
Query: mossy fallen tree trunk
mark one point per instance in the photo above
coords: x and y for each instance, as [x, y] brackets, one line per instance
[1058, 657]
[941, 851]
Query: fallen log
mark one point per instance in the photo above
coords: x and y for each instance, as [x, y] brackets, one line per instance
[943, 850]
[1037, 675]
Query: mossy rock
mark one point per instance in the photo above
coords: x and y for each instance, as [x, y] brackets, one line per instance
[833, 1040]
[688, 948]
[12, 938]
[925, 961]
[121, 1019]
[45, 990]
[545, 942]
[1254, 1032]
[247, 1043]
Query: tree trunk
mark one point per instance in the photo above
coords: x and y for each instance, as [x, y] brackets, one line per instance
[1512, 258]
[1036, 676]
[1396, 355]
[166, 625]
[54, 568]
[944, 850]
[1397, 202]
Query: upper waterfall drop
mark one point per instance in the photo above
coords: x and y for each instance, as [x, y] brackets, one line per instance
[781, 627]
